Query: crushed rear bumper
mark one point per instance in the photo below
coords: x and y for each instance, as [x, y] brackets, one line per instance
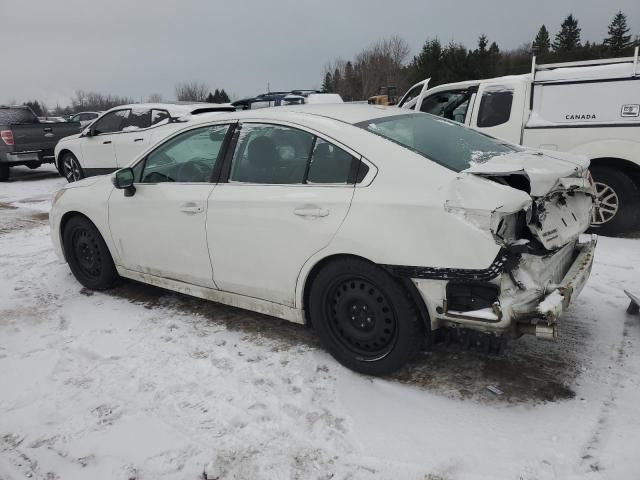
[532, 296]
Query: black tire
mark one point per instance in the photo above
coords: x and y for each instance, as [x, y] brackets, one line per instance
[70, 168]
[617, 208]
[364, 317]
[88, 255]
[4, 172]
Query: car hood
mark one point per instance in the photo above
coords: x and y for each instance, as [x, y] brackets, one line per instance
[89, 181]
[69, 137]
[543, 169]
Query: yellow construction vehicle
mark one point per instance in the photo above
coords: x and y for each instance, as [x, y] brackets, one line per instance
[385, 96]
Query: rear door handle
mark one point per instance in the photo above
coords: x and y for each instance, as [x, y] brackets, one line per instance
[190, 208]
[106, 142]
[311, 212]
[47, 129]
[138, 139]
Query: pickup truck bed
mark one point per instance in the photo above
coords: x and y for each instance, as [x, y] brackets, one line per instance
[24, 140]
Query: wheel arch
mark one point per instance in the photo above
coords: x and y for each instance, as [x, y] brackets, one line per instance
[61, 154]
[406, 283]
[630, 168]
[64, 220]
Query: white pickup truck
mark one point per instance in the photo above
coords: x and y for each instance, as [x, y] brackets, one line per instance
[591, 108]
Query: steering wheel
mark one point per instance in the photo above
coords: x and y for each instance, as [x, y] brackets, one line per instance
[195, 170]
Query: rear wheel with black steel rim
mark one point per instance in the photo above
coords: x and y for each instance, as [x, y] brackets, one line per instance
[71, 169]
[88, 255]
[364, 317]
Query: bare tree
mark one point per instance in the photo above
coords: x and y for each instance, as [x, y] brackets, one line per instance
[192, 91]
[381, 64]
[84, 100]
[154, 98]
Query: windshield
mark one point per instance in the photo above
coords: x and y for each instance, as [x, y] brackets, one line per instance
[448, 143]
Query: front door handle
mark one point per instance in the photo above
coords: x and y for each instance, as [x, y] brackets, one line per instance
[138, 139]
[106, 142]
[311, 212]
[190, 208]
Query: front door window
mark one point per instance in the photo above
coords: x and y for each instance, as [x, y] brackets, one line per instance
[452, 104]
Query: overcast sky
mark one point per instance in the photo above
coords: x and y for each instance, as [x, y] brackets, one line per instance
[50, 48]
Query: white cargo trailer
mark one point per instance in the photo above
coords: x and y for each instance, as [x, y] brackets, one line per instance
[591, 107]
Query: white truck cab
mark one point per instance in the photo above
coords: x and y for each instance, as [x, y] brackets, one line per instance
[590, 108]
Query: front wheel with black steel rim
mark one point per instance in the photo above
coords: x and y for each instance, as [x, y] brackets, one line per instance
[71, 169]
[88, 255]
[616, 207]
[364, 317]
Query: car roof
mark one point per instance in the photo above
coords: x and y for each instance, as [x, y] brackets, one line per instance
[179, 108]
[350, 113]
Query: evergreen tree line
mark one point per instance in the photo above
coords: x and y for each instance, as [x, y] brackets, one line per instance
[218, 96]
[453, 62]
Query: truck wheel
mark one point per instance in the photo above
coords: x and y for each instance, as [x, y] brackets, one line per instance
[617, 204]
[4, 172]
[88, 255]
[363, 317]
[71, 169]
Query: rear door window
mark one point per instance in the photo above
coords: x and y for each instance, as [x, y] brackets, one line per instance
[159, 116]
[495, 107]
[137, 120]
[329, 164]
[271, 154]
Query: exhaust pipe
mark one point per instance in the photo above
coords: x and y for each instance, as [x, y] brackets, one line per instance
[540, 330]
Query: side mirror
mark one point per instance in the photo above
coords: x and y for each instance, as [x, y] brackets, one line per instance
[123, 180]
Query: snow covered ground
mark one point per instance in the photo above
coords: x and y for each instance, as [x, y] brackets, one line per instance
[140, 383]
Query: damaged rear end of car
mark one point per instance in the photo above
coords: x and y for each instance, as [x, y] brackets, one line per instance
[541, 212]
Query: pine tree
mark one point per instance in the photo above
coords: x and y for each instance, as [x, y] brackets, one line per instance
[210, 98]
[35, 106]
[337, 81]
[542, 44]
[483, 41]
[568, 38]
[428, 63]
[327, 84]
[618, 40]
[224, 98]
[349, 81]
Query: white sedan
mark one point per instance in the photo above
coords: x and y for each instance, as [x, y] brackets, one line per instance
[120, 134]
[379, 227]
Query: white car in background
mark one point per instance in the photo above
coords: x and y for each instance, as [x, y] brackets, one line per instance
[85, 118]
[380, 227]
[120, 134]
